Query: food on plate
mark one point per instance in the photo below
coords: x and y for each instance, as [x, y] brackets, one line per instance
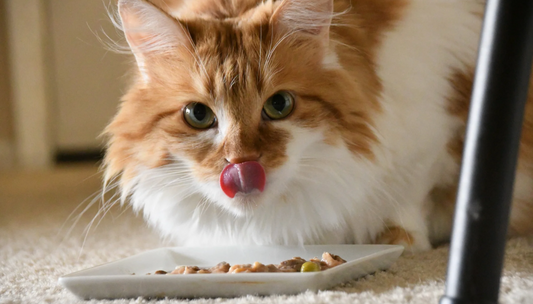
[296, 264]
[310, 267]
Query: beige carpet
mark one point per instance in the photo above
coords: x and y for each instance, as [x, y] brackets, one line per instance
[35, 250]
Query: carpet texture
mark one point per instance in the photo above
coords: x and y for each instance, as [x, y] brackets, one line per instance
[36, 248]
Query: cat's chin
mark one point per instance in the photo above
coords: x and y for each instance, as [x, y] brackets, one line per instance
[245, 204]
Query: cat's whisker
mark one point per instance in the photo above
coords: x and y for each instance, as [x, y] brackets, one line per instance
[95, 197]
[176, 169]
[124, 209]
[200, 209]
[183, 195]
[106, 208]
[110, 185]
[96, 193]
[93, 201]
[101, 210]
[77, 218]
[204, 205]
[172, 172]
[175, 178]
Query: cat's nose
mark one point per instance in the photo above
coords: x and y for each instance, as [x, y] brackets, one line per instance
[242, 159]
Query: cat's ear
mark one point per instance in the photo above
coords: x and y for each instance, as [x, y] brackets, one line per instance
[149, 31]
[307, 16]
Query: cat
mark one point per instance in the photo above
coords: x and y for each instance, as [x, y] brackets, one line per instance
[300, 121]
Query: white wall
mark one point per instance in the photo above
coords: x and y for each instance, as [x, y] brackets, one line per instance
[59, 86]
[88, 79]
[26, 24]
[6, 116]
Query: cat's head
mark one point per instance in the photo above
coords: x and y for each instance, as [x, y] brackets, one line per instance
[226, 94]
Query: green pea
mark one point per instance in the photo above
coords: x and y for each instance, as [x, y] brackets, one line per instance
[309, 267]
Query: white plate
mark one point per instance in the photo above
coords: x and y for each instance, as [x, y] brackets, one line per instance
[115, 280]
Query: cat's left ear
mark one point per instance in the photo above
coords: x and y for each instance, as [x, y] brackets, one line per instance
[150, 31]
[311, 17]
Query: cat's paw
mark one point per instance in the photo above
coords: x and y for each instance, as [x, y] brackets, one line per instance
[413, 242]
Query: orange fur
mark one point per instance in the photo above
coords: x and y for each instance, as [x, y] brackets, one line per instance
[396, 236]
[232, 41]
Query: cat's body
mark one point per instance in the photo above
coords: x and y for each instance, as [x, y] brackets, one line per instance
[369, 153]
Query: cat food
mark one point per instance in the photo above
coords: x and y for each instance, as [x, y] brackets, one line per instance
[295, 264]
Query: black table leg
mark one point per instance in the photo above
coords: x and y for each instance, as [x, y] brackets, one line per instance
[490, 153]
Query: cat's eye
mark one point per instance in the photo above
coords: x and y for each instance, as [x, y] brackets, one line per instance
[279, 105]
[199, 115]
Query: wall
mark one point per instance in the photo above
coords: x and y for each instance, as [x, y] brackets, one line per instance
[88, 80]
[62, 86]
[6, 114]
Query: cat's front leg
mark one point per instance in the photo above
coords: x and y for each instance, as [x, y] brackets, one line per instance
[413, 241]
[409, 231]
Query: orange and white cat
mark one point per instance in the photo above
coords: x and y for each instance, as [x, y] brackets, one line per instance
[300, 121]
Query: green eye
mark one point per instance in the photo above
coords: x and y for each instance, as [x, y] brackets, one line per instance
[279, 105]
[199, 116]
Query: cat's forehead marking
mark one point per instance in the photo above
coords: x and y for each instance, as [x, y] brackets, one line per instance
[331, 60]
[231, 56]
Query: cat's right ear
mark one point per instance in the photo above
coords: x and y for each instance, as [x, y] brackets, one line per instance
[150, 31]
[306, 16]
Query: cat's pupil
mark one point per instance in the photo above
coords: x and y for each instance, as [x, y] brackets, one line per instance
[278, 102]
[199, 112]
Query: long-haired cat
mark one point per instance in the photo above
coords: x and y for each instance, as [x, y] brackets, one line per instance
[300, 121]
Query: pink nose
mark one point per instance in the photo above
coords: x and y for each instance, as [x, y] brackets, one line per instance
[242, 177]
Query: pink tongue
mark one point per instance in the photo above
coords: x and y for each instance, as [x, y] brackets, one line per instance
[242, 177]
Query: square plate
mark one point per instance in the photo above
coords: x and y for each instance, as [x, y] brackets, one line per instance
[115, 279]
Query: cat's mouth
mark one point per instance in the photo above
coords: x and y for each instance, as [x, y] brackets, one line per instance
[242, 179]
